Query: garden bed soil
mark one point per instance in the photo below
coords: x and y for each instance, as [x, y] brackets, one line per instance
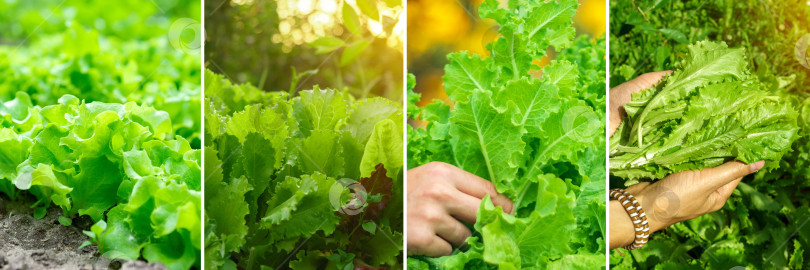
[30, 243]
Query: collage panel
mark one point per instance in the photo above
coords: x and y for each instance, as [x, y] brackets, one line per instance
[304, 134]
[709, 131]
[100, 135]
[427, 134]
[506, 137]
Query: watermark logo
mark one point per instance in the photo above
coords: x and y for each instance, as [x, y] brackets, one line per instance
[581, 123]
[491, 35]
[357, 196]
[180, 35]
[665, 205]
[801, 50]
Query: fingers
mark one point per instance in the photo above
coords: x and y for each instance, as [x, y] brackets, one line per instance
[434, 247]
[468, 183]
[720, 196]
[431, 231]
[621, 94]
[725, 191]
[478, 187]
[643, 81]
[504, 202]
[464, 207]
[721, 175]
[445, 195]
[423, 224]
[648, 80]
[453, 231]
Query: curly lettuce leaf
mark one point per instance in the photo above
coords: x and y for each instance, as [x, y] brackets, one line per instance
[525, 133]
[296, 159]
[690, 121]
[119, 164]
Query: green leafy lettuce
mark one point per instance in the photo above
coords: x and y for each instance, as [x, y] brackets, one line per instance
[763, 224]
[119, 164]
[709, 111]
[81, 61]
[278, 174]
[100, 116]
[539, 139]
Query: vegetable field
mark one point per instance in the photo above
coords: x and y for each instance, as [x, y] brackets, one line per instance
[754, 90]
[535, 132]
[100, 117]
[276, 179]
[303, 162]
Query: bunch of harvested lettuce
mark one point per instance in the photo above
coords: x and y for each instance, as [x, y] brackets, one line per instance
[709, 111]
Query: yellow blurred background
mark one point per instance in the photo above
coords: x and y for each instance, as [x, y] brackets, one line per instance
[438, 27]
[272, 44]
[323, 18]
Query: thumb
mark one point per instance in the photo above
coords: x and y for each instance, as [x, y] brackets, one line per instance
[635, 189]
[721, 175]
[622, 94]
[725, 191]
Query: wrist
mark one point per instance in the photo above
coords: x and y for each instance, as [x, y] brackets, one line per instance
[656, 212]
[621, 226]
[637, 214]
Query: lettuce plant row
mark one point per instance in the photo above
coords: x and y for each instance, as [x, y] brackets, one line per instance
[93, 67]
[100, 116]
[119, 164]
[535, 132]
[282, 178]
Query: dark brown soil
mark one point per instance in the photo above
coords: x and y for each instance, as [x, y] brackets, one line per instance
[29, 243]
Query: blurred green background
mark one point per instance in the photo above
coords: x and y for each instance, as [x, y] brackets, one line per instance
[25, 21]
[107, 51]
[270, 44]
[650, 35]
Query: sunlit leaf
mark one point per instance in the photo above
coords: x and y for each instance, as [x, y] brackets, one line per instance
[393, 3]
[369, 7]
[327, 44]
[350, 19]
[352, 52]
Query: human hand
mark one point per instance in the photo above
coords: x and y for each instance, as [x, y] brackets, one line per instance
[677, 197]
[621, 94]
[439, 195]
